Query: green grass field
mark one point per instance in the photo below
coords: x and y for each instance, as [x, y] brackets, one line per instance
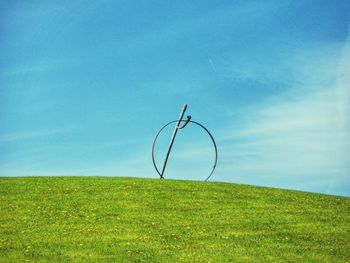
[99, 219]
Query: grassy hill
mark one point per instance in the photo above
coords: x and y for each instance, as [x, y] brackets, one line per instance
[57, 219]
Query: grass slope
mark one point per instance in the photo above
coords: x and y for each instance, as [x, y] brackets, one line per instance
[144, 220]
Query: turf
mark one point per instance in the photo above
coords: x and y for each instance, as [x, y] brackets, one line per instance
[101, 219]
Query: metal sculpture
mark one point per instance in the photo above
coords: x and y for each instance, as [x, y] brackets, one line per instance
[178, 126]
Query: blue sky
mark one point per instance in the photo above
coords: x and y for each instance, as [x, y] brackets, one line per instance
[85, 85]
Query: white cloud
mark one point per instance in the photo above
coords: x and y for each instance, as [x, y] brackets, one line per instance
[25, 135]
[300, 139]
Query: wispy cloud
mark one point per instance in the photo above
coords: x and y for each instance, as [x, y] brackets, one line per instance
[40, 67]
[302, 136]
[29, 69]
[25, 135]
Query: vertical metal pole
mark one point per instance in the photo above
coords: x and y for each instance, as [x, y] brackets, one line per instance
[184, 107]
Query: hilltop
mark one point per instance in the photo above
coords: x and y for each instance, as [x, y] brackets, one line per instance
[55, 219]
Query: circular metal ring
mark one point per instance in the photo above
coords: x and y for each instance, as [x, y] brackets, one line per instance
[211, 137]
